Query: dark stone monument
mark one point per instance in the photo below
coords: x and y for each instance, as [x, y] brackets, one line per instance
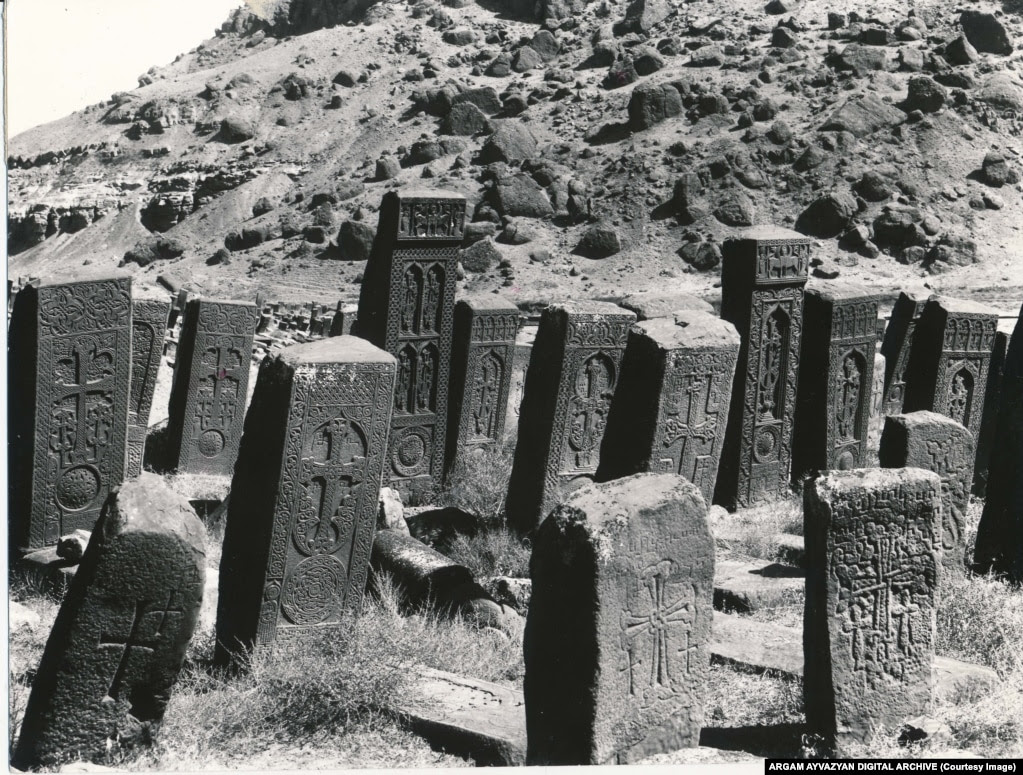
[616, 640]
[344, 319]
[70, 358]
[833, 401]
[211, 380]
[947, 371]
[406, 308]
[671, 405]
[989, 420]
[483, 351]
[896, 347]
[304, 495]
[148, 329]
[762, 281]
[122, 631]
[1000, 534]
[936, 443]
[873, 554]
[573, 372]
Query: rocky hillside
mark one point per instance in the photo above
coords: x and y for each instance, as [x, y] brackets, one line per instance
[604, 148]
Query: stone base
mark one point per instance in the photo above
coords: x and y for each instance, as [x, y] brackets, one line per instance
[738, 640]
[482, 721]
[747, 586]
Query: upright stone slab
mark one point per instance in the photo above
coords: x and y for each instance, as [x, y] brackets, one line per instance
[122, 631]
[616, 640]
[148, 329]
[896, 347]
[406, 308]
[573, 372]
[211, 379]
[70, 369]
[520, 365]
[833, 401]
[1000, 534]
[876, 402]
[948, 367]
[304, 495]
[936, 443]
[670, 408]
[762, 281]
[989, 419]
[873, 554]
[483, 351]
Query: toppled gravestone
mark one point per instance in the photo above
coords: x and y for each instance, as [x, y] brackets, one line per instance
[122, 631]
[619, 622]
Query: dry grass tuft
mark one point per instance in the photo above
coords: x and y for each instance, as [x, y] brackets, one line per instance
[478, 484]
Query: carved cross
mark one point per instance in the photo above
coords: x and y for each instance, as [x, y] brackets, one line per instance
[693, 415]
[485, 395]
[849, 398]
[336, 460]
[958, 399]
[216, 402]
[589, 410]
[137, 641]
[83, 412]
[770, 372]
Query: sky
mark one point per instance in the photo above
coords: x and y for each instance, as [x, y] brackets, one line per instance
[65, 54]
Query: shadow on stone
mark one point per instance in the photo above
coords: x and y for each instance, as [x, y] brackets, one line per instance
[774, 740]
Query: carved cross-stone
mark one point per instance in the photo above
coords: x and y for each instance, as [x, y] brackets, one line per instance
[588, 409]
[143, 637]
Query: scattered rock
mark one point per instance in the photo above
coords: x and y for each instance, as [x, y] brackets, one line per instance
[481, 256]
[599, 241]
[511, 142]
[517, 233]
[985, 32]
[952, 251]
[860, 59]
[960, 52]
[652, 103]
[642, 15]
[925, 94]
[783, 37]
[546, 45]
[1000, 90]
[465, 119]
[460, 36]
[355, 240]
[526, 59]
[702, 256]
[995, 170]
[500, 67]
[874, 187]
[387, 168]
[828, 216]
[864, 115]
[151, 249]
[735, 209]
[346, 78]
[898, 228]
[647, 61]
[708, 56]
[236, 130]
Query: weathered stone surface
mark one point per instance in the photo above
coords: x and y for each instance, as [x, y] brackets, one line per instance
[465, 119]
[122, 631]
[483, 349]
[304, 494]
[573, 371]
[873, 551]
[658, 304]
[211, 380]
[936, 443]
[406, 307]
[762, 281]
[520, 365]
[480, 720]
[833, 400]
[72, 546]
[752, 586]
[671, 404]
[896, 347]
[652, 103]
[985, 32]
[519, 195]
[876, 401]
[863, 116]
[1000, 534]
[68, 405]
[948, 366]
[925, 94]
[511, 142]
[148, 329]
[619, 622]
[355, 240]
[989, 421]
[391, 511]
[600, 240]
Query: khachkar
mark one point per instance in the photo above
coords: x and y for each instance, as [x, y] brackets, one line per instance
[669, 410]
[573, 372]
[616, 641]
[834, 397]
[123, 628]
[873, 552]
[896, 347]
[762, 281]
[405, 308]
[1000, 533]
[947, 370]
[304, 495]
[933, 442]
[148, 328]
[483, 350]
[211, 380]
[70, 380]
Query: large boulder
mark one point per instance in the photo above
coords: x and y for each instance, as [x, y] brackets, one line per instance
[484, 97]
[652, 103]
[642, 15]
[355, 240]
[735, 209]
[519, 195]
[860, 59]
[465, 119]
[863, 115]
[951, 252]
[150, 249]
[1001, 90]
[985, 32]
[925, 94]
[828, 216]
[898, 228]
[236, 130]
[511, 142]
[480, 257]
[599, 241]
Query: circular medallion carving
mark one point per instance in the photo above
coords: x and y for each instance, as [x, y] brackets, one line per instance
[77, 488]
[313, 588]
[211, 443]
[765, 444]
[410, 453]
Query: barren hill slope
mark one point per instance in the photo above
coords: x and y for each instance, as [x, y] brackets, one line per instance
[646, 134]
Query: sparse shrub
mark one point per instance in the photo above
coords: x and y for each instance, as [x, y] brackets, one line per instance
[478, 483]
[494, 551]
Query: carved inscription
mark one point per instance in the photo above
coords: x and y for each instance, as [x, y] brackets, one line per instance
[781, 261]
[431, 219]
[148, 329]
[588, 408]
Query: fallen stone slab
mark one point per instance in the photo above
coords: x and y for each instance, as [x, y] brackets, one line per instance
[52, 572]
[791, 548]
[774, 648]
[480, 720]
[752, 585]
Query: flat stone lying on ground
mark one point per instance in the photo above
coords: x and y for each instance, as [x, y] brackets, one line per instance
[752, 585]
[658, 304]
[121, 634]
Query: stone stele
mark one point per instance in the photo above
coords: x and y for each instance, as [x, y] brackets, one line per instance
[873, 555]
[616, 641]
[122, 631]
[148, 329]
[935, 443]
